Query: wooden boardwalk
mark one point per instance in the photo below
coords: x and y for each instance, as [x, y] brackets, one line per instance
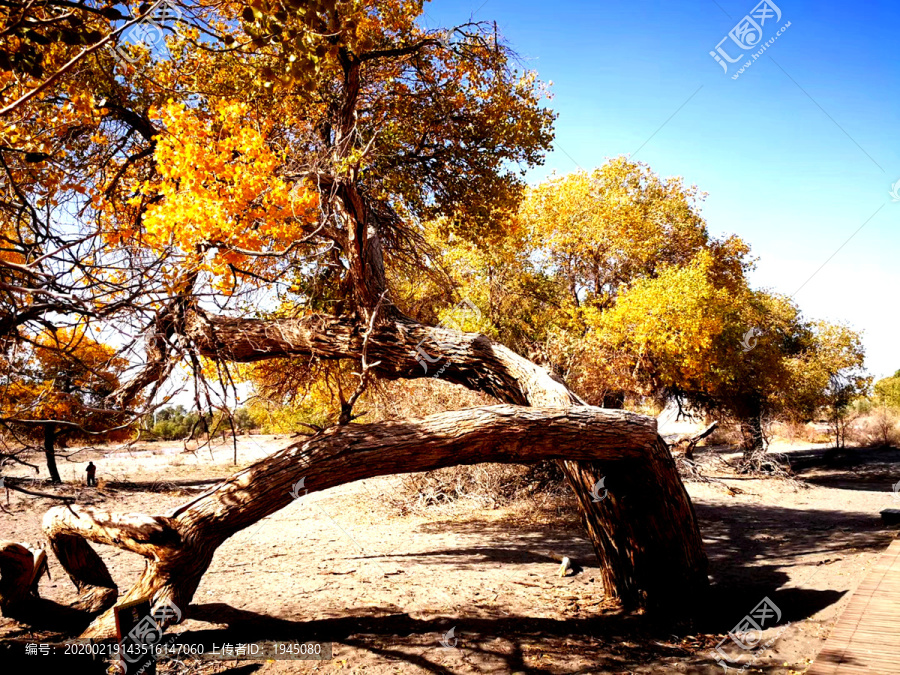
[866, 637]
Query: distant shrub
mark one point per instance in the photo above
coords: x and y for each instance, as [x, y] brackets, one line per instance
[887, 391]
[880, 428]
[487, 485]
[175, 423]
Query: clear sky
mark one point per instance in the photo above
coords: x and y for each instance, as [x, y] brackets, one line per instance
[796, 154]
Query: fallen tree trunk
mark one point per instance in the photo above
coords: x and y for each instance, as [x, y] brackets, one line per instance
[179, 545]
[20, 571]
[685, 443]
[645, 533]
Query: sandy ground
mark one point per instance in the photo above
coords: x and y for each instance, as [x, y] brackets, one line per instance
[347, 567]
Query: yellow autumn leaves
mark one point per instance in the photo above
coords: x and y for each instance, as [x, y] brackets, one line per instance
[219, 198]
[62, 377]
[677, 316]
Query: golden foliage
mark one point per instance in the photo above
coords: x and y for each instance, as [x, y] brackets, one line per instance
[218, 199]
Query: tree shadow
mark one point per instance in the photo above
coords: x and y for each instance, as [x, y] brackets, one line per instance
[48, 616]
[751, 549]
[614, 642]
[857, 468]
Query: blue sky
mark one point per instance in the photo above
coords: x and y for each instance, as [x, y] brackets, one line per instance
[796, 154]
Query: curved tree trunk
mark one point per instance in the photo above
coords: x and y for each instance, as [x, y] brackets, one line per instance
[179, 545]
[645, 535]
[644, 529]
[20, 572]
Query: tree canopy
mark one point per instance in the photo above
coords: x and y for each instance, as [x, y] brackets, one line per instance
[248, 166]
[611, 279]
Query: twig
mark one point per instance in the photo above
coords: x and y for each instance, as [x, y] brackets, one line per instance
[347, 406]
[66, 67]
[12, 486]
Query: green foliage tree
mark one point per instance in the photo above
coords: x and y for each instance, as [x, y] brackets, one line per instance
[611, 279]
[887, 391]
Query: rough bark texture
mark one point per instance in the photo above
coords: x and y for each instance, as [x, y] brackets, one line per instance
[16, 567]
[686, 443]
[645, 534]
[97, 591]
[179, 545]
[753, 440]
[19, 573]
[644, 529]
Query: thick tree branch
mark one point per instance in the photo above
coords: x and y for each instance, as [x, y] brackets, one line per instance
[180, 544]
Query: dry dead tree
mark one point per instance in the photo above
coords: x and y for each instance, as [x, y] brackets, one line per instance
[686, 443]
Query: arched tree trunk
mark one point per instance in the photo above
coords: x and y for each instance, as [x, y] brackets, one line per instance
[179, 545]
[644, 529]
[645, 534]
[50, 452]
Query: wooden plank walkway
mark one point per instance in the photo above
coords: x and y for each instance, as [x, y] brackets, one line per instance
[866, 637]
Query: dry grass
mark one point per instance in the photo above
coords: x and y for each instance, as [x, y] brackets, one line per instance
[798, 432]
[725, 434]
[483, 485]
[880, 428]
[403, 399]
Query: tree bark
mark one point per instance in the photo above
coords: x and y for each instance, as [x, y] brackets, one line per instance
[50, 452]
[644, 532]
[180, 544]
[687, 442]
[645, 535]
[16, 570]
[20, 573]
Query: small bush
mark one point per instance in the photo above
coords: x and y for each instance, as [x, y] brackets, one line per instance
[799, 432]
[879, 428]
[725, 434]
[487, 485]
